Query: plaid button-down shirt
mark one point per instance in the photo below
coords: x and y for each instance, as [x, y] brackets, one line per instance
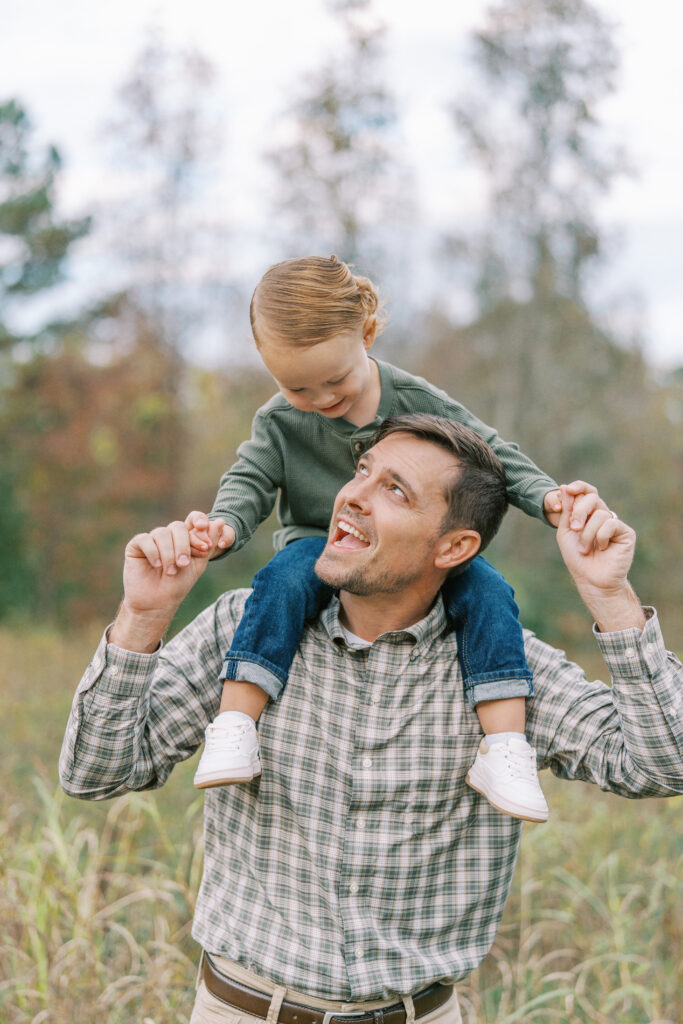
[360, 864]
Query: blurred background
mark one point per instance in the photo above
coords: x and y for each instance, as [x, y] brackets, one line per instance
[507, 174]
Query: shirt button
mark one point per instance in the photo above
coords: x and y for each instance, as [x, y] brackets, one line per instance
[367, 762]
[114, 670]
[358, 446]
[360, 823]
[358, 953]
[353, 887]
[629, 652]
[374, 699]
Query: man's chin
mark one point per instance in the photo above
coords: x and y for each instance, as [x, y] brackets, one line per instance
[331, 570]
[360, 578]
[344, 574]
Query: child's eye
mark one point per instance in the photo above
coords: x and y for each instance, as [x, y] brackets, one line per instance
[339, 379]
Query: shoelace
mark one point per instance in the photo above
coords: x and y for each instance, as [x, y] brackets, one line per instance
[225, 738]
[518, 764]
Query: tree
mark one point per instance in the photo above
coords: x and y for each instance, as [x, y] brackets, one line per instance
[93, 455]
[535, 362]
[34, 248]
[165, 141]
[342, 186]
[531, 123]
[34, 242]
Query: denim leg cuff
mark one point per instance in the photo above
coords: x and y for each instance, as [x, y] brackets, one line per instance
[498, 689]
[247, 671]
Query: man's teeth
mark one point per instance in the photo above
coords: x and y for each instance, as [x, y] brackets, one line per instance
[347, 528]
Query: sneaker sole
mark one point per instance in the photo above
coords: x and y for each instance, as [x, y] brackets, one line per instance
[504, 810]
[209, 782]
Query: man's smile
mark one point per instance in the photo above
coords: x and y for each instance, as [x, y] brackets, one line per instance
[349, 537]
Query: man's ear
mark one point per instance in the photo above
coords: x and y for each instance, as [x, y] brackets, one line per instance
[456, 547]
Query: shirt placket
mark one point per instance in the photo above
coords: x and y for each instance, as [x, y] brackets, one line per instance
[373, 668]
[352, 856]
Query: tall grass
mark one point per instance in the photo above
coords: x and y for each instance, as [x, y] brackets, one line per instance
[92, 928]
[96, 900]
[591, 931]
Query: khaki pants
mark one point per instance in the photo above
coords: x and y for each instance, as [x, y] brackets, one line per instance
[210, 1010]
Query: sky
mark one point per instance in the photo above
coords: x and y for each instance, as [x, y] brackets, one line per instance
[65, 61]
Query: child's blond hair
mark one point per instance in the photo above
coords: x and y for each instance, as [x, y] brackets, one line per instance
[309, 300]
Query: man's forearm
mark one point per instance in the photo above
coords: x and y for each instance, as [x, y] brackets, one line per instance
[613, 610]
[139, 631]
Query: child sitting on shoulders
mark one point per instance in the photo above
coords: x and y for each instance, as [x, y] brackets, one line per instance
[314, 324]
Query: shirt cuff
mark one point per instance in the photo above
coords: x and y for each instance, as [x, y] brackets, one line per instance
[633, 653]
[117, 671]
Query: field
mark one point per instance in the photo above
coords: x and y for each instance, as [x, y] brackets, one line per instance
[96, 900]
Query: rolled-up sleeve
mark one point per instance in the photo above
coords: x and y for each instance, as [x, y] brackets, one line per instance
[626, 737]
[134, 716]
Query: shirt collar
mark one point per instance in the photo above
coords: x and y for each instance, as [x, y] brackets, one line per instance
[422, 632]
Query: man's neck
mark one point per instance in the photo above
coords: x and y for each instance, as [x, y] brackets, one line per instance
[370, 616]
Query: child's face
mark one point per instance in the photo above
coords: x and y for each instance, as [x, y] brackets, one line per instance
[333, 378]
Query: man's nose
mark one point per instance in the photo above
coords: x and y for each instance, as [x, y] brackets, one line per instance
[357, 495]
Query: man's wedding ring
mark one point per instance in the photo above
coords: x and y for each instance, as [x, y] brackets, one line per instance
[612, 514]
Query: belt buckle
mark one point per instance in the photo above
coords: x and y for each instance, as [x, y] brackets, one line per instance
[345, 1016]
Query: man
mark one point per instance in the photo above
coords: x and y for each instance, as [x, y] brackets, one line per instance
[361, 875]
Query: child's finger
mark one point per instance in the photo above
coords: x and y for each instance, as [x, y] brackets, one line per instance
[566, 502]
[197, 521]
[198, 544]
[227, 537]
[199, 540]
[553, 501]
[581, 487]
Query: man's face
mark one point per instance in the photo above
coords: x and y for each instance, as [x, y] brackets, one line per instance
[386, 525]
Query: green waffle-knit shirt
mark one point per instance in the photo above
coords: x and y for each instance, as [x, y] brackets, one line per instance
[308, 458]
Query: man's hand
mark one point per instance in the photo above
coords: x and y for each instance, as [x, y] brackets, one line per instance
[587, 500]
[159, 570]
[205, 542]
[599, 558]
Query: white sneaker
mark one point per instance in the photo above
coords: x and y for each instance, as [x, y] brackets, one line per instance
[506, 774]
[231, 751]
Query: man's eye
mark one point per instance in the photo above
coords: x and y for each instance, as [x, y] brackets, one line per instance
[362, 468]
[395, 489]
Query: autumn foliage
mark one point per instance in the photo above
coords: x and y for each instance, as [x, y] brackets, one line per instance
[92, 453]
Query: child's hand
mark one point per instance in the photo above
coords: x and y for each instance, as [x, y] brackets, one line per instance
[585, 500]
[208, 537]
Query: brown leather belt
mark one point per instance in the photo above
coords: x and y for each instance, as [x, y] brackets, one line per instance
[258, 1003]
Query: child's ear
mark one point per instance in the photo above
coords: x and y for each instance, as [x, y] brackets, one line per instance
[369, 331]
[455, 547]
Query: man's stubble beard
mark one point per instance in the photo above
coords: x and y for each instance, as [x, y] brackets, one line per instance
[363, 583]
